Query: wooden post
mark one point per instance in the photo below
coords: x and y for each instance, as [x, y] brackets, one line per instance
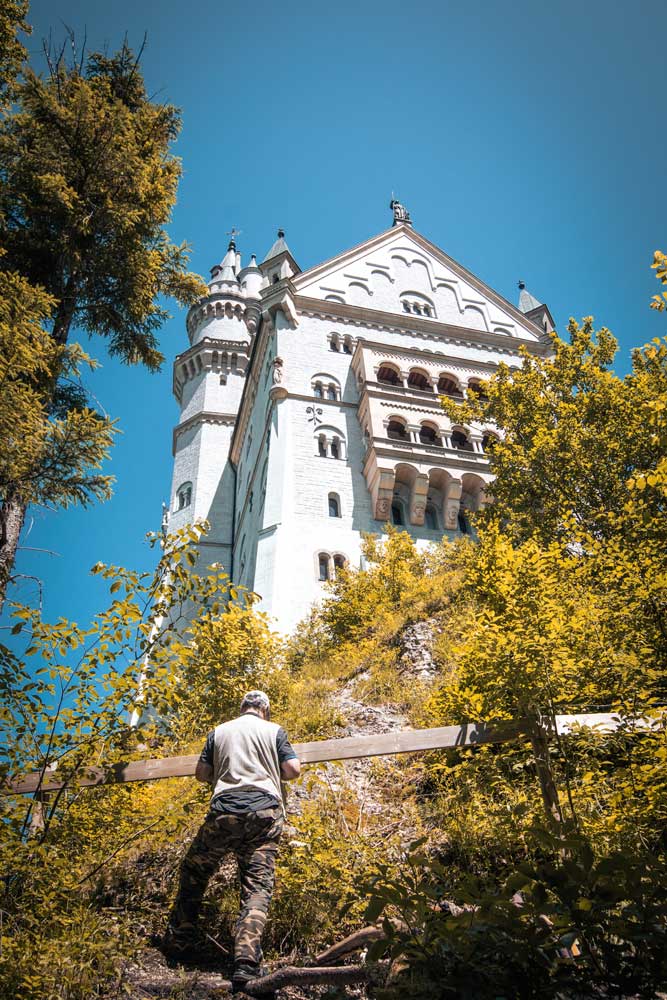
[539, 739]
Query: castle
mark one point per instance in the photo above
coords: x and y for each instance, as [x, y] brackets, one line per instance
[309, 406]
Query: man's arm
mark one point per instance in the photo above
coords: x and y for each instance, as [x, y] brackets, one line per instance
[204, 772]
[204, 768]
[291, 768]
[290, 765]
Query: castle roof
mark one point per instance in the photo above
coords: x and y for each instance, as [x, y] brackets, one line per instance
[280, 246]
[527, 302]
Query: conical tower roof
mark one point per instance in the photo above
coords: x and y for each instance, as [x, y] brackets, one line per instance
[527, 302]
[280, 246]
[226, 269]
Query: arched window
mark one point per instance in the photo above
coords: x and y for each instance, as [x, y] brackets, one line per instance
[347, 346]
[339, 562]
[460, 440]
[397, 513]
[183, 496]
[396, 431]
[334, 505]
[476, 389]
[448, 387]
[325, 386]
[323, 566]
[330, 442]
[489, 441]
[431, 517]
[418, 380]
[415, 302]
[428, 434]
[388, 375]
[334, 343]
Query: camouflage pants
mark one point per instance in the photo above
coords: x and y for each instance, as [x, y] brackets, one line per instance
[253, 838]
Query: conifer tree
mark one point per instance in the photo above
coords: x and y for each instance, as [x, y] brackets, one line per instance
[87, 185]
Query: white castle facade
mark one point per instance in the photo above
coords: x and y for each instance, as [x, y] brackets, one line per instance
[309, 407]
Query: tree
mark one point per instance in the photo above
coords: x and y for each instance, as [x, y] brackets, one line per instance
[573, 434]
[66, 698]
[87, 184]
[12, 52]
[562, 607]
[52, 448]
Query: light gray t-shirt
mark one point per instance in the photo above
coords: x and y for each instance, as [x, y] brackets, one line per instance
[245, 755]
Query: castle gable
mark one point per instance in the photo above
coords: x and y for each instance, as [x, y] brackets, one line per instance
[401, 272]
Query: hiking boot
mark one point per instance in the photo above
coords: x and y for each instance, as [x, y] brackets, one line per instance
[243, 973]
[176, 949]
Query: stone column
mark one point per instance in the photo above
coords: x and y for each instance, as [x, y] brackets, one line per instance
[418, 496]
[453, 491]
[383, 494]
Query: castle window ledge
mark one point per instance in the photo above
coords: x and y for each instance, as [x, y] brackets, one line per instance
[385, 387]
[417, 448]
[420, 393]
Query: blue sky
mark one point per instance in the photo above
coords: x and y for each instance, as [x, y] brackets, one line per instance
[526, 138]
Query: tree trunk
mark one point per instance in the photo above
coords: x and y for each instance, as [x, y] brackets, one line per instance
[12, 516]
[540, 744]
[13, 508]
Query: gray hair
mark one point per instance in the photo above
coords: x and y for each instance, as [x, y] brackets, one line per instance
[257, 700]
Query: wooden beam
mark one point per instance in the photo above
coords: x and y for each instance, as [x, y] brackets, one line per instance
[348, 748]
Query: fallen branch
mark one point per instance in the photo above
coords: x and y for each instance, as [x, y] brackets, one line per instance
[353, 942]
[293, 976]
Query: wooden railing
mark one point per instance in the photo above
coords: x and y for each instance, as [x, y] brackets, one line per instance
[347, 748]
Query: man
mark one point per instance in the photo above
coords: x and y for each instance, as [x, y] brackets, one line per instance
[244, 760]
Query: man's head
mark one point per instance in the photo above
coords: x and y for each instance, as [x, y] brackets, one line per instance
[256, 701]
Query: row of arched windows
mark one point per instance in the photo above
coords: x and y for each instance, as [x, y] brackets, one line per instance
[328, 564]
[222, 362]
[431, 517]
[419, 308]
[341, 344]
[417, 378]
[330, 443]
[321, 391]
[429, 434]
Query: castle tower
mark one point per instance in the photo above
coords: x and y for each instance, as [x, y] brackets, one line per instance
[208, 384]
[311, 414]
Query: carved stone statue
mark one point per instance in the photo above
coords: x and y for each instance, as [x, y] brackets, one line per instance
[277, 371]
[401, 213]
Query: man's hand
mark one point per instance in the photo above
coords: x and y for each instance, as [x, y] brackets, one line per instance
[204, 772]
[291, 768]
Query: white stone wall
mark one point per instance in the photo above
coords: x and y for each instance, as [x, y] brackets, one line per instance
[294, 525]
[269, 515]
[398, 275]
